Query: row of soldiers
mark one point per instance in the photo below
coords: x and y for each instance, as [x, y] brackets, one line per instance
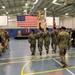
[60, 38]
[4, 40]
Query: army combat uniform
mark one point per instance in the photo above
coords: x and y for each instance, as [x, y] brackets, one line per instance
[32, 41]
[54, 34]
[46, 40]
[40, 41]
[64, 43]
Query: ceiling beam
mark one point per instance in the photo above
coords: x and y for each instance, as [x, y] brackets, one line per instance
[14, 5]
[64, 9]
[3, 5]
[9, 5]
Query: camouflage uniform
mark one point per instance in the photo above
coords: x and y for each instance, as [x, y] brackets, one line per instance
[32, 41]
[54, 40]
[3, 40]
[64, 43]
[40, 41]
[47, 40]
[3, 36]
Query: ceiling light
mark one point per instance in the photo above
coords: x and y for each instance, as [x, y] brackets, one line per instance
[26, 4]
[54, 1]
[45, 8]
[6, 12]
[3, 7]
[25, 10]
[35, 1]
[66, 14]
[8, 16]
[18, 13]
[57, 3]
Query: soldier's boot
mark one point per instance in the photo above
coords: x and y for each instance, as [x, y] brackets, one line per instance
[33, 53]
[3, 50]
[0, 54]
[54, 51]
[47, 51]
[64, 65]
[61, 62]
[40, 53]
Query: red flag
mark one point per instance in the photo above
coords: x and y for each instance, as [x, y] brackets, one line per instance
[54, 23]
[39, 20]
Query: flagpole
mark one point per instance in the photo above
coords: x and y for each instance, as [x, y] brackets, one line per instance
[39, 19]
[54, 24]
[45, 24]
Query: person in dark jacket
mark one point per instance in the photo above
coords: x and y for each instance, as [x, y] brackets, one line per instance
[73, 37]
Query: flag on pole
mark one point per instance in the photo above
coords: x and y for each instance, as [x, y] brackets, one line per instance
[54, 23]
[45, 23]
[39, 19]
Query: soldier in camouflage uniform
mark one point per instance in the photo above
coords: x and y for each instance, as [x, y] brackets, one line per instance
[32, 41]
[47, 40]
[3, 39]
[40, 40]
[54, 34]
[64, 43]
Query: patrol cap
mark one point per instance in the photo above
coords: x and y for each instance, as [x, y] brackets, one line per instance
[64, 28]
[41, 29]
[59, 29]
[32, 31]
[47, 28]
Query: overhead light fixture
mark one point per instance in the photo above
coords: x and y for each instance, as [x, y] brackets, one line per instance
[8, 16]
[35, 1]
[3, 7]
[25, 11]
[57, 3]
[54, 1]
[18, 13]
[6, 12]
[45, 8]
[66, 14]
[26, 4]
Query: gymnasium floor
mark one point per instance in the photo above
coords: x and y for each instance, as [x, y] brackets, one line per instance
[17, 60]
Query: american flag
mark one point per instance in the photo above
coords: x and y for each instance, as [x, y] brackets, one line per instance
[26, 21]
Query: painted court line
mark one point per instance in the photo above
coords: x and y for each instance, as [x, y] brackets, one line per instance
[21, 60]
[70, 72]
[35, 56]
[28, 56]
[47, 71]
[24, 60]
[17, 57]
[11, 62]
[57, 61]
[33, 73]
[22, 71]
[65, 68]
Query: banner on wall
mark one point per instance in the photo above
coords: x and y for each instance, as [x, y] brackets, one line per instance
[26, 21]
[3, 21]
[50, 21]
